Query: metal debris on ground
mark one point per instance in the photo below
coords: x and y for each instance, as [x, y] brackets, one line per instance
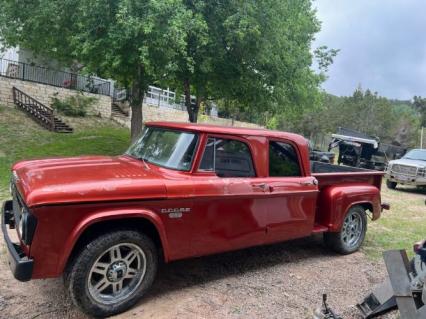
[405, 289]
[325, 311]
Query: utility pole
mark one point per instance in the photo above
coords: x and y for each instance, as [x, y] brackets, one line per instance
[421, 137]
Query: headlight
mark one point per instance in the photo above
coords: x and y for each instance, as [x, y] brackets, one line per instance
[21, 224]
[26, 227]
[422, 171]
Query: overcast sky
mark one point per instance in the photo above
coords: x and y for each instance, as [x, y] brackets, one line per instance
[382, 43]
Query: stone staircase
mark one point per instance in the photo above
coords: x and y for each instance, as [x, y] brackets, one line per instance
[40, 113]
[117, 111]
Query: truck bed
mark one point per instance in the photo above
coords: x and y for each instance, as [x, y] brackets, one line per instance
[329, 174]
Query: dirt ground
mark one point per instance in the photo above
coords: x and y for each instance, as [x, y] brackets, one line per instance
[278, 281]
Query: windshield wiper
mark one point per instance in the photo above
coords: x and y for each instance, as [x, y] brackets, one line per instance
[144, 162]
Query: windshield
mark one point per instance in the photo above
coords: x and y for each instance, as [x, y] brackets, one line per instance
[165, 147]
[416, 155]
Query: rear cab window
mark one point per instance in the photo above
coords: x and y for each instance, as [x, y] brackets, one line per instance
[227, 158]
[283, 160]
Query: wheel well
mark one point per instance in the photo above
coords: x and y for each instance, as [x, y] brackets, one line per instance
[367, 206]
[140, 224]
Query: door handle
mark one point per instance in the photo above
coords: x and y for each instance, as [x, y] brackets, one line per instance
[262, 186]
[308, 183]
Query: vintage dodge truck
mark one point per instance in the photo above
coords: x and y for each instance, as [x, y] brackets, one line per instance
[182, 190]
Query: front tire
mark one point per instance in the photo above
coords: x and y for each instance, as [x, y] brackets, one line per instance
[352, 233]
[391, 185]
[112, 272]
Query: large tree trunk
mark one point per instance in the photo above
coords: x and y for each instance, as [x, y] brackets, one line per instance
[191, 108]
[136, 122]
[136, 101]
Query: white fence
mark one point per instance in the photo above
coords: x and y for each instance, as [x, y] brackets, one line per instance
[162, 98]
[165, 98]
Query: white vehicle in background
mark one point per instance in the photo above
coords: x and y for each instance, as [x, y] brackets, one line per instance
[408, 170]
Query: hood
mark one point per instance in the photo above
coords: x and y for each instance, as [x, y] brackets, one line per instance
[86, 179]
[409, 162]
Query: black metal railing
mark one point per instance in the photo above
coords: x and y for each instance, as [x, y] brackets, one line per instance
[43, 75]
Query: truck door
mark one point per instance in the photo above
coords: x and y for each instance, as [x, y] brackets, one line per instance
[229, 204]
[293, 194]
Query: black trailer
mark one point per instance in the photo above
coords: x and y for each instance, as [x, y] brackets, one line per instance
[361, 150]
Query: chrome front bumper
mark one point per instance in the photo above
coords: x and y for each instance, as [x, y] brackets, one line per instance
[20, 264]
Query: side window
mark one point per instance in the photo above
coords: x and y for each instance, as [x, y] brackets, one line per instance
[228, 158]
[283, 160]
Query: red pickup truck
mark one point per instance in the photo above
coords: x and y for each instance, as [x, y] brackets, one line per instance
[182, 190]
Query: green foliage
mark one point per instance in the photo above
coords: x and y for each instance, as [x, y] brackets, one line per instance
[113, 39]
[255, 56]
[325, 57]
[75, 105]
[419, 104]
[267, 71]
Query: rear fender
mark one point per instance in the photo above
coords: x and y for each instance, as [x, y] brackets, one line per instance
[111, 215]
[335, 201]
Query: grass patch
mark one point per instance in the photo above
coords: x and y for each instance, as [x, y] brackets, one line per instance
[401, 226]
[21, 138]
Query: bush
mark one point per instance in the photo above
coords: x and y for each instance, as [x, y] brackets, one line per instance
[76, 105]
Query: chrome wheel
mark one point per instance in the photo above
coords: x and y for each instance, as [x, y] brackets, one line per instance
[117, 273]
[353, 229]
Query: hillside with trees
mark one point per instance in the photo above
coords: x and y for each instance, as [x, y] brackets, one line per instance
[368, 112]
[393, 121]
[253, 59]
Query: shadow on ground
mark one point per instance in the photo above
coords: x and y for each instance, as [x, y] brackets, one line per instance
[199, 271]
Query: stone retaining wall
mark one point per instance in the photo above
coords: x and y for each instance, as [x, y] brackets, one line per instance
[43, 93]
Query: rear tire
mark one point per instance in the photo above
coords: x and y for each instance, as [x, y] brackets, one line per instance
[112, 272]
[352, 233]
[391, 185]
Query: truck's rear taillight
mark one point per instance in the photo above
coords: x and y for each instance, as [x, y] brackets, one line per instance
[385, 206]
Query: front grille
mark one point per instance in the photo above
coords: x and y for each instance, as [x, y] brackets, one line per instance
[18, 203]
[404, 169]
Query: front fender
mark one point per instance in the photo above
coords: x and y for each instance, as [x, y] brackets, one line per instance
[111, 215]
[335, 201]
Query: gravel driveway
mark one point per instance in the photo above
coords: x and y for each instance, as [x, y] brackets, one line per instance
[279, 281]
